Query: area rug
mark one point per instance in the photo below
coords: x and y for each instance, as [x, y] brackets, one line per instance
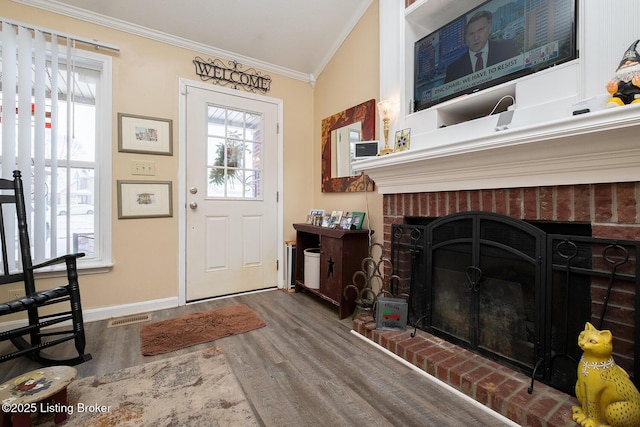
[197, 328]
[194, 389]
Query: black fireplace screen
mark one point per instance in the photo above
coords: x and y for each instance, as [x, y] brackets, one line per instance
[517, 294]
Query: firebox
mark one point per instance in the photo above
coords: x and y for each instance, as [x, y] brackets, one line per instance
[515, 293]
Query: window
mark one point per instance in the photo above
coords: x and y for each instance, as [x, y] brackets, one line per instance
[57, 132]
[234, 152]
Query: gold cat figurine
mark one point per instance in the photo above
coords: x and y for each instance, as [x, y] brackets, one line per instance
[605, 391]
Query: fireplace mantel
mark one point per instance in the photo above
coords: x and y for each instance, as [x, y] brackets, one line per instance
[598, 147]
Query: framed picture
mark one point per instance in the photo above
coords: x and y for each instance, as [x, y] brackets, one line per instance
[403, 139]
[336, 217]
[345, 222]
[357, 219]
[147, 135]
[144, 199]
[315, 216]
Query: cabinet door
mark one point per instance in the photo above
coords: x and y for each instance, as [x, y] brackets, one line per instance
[331, 268]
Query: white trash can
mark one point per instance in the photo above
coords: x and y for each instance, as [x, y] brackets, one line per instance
[312, 268]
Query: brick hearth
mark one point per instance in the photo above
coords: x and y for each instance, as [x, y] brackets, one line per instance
[612, 210]
[493, 385]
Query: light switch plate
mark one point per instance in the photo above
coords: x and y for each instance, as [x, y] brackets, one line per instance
[143, 167]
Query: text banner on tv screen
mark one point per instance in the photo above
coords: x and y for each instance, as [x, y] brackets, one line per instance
[497, 41]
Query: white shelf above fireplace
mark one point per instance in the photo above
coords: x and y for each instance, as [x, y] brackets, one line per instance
[544, 146]
[597, 147]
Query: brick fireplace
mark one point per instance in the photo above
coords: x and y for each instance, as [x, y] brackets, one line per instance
[549, 166]
[611, 210]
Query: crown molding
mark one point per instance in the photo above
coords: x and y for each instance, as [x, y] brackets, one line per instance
[203, 49]
[340, 40]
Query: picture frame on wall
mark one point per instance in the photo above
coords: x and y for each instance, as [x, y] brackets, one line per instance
[146, 135]
[144, 199]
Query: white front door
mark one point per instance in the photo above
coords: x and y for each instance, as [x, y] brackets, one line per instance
[231, 193]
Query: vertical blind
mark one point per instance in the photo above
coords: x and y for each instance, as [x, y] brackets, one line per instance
[30, 105]
[54, 99]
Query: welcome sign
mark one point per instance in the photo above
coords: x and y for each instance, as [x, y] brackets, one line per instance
[232, 76]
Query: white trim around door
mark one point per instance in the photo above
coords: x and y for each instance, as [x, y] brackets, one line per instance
[182, 190]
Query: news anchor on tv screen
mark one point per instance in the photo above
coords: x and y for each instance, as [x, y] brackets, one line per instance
[481, 51]
[497, 41]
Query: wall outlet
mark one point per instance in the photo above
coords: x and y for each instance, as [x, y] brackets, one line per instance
[142, 167]
[16, 293]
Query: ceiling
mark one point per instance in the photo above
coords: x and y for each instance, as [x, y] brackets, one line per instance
[291, 37]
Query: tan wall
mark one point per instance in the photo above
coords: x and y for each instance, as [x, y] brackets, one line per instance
[145, 82]
[351, 77]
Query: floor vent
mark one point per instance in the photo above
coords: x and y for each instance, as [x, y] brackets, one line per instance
[128, 320]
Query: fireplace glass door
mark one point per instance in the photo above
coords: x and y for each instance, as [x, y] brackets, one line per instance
[520, 293]
[484, 285]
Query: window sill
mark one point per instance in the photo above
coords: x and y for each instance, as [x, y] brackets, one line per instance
[91, 267]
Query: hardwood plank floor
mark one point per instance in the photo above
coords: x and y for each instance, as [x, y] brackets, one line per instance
[304, 368]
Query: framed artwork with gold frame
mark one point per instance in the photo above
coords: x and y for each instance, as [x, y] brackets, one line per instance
[144, 199]
[145, 135]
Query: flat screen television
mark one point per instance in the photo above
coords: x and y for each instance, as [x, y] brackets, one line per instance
[512, 37]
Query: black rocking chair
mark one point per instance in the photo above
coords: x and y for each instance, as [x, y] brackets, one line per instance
[62, 302]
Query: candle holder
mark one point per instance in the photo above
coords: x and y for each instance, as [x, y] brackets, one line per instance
[386, 110]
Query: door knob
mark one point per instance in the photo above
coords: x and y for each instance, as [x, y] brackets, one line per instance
[193, 205]
[193, 190]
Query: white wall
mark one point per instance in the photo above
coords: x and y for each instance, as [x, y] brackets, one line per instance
[545, 144]
[605, 31]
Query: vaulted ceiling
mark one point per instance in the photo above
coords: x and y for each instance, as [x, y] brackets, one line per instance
[293, 37]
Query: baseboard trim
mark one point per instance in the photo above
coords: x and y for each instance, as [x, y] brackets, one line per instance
[102, 313]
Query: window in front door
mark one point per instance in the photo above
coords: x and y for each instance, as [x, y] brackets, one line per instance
[234, 154]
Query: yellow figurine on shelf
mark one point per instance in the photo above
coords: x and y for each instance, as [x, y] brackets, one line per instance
[624, 87]
[605, 391]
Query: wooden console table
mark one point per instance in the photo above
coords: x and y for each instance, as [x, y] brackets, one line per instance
[341, 255]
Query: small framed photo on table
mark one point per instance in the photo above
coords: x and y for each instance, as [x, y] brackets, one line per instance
[345, 222]
[357, 219]
[145, 135]
[403, 139]
[315, 216]
[144, 199]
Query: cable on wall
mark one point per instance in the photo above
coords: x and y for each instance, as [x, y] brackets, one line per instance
[513, 103]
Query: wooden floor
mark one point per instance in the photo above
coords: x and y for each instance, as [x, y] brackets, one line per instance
[305, 368]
